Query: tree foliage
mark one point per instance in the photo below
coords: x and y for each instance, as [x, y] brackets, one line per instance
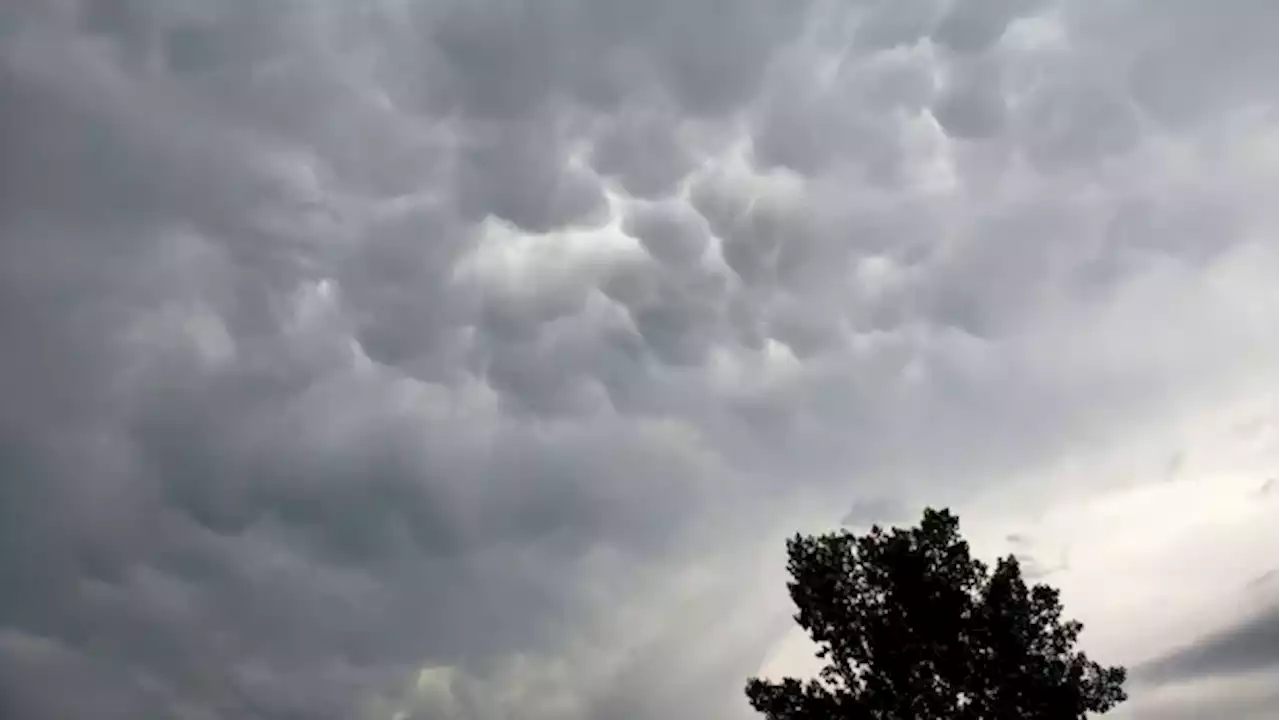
[912, 628]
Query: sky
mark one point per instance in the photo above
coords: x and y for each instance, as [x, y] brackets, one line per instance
[472, 359]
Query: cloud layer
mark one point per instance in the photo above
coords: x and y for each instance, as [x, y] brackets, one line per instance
[470, 360]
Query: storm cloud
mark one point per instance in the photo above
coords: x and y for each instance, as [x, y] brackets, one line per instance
[1249, 646]
[471, 359]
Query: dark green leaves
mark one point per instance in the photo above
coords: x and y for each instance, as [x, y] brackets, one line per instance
[912, 627]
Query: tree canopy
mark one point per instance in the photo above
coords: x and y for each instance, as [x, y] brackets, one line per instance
[913, 628]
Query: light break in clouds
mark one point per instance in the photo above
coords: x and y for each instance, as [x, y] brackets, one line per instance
[471, 359]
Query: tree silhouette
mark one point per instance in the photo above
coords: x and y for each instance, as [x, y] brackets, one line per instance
[912, 628]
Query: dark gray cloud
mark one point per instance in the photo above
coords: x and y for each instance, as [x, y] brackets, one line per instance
[428, 357]
[1249, 646]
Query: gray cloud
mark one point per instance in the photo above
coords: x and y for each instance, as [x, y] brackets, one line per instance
[1257, 705]
[343, 342]
[670, 232]
[1246, 647]
[875, 511]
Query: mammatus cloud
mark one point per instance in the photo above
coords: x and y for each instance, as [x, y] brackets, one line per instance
[472, 359]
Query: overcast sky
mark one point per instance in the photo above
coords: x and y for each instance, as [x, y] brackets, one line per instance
[471, 359]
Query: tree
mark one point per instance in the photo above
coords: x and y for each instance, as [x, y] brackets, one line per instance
[912, 628]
